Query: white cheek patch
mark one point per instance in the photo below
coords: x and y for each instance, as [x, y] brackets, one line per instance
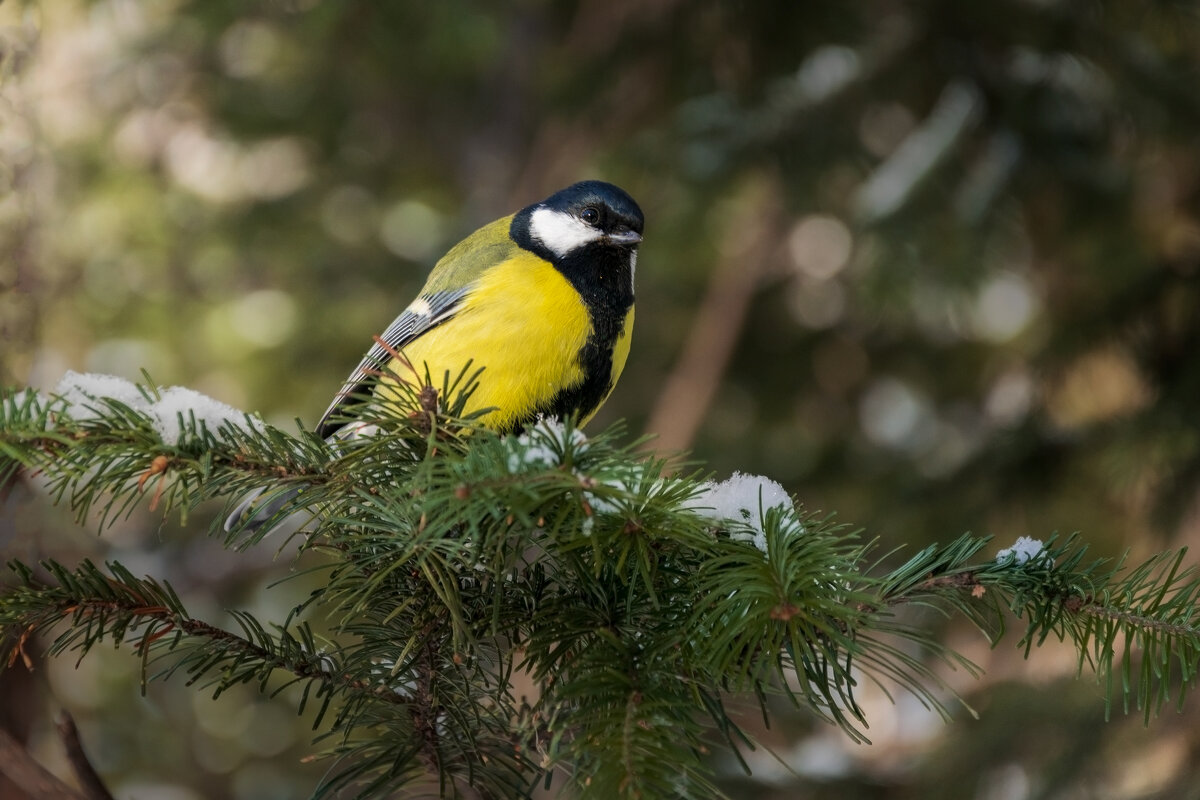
[560, 232]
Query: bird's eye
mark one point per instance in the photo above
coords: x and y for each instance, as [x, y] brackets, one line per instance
[590, 215]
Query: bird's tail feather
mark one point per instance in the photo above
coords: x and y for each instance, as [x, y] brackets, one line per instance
[256, 511]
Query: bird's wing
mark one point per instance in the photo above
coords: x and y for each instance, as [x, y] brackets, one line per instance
[452, 279]
[423, 314]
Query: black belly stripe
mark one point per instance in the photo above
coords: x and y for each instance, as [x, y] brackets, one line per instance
[601, 275]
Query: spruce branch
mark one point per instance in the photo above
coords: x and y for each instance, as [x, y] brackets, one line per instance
[103, 454]
[99, 605]
[1140, 625]
[626, 604]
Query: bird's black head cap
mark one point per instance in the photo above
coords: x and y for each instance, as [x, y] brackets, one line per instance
[614, 205]
[585, 215]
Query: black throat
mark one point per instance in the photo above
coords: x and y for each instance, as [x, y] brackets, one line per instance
[602, 275]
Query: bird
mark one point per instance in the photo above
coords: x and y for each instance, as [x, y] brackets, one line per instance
[540, 302]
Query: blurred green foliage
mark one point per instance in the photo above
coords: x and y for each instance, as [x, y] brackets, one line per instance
[950, 248]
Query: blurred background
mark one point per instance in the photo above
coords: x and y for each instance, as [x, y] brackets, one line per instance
[932, 265]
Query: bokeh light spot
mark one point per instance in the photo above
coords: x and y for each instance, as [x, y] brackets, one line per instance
[349, 215]
[820, 246]
[892, 414]
[816, 304]
[265, 318]
[248, 48]
[411, 230]
[1005, 306]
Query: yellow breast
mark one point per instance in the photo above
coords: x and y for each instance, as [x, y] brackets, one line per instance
[525, 325]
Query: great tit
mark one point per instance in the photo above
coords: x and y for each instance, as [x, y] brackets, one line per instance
[541, 301]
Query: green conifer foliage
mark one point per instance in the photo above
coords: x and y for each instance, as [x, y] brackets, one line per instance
[494, 613]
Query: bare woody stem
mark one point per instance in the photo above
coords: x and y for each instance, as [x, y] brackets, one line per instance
[162, 621]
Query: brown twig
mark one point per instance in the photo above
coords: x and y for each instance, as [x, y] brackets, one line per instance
[747, 247]
[162, 621]
[424, 708]
[89, 780]
[33, 779]
[1132, 618]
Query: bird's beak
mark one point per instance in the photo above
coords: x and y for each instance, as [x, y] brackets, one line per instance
[623, 237]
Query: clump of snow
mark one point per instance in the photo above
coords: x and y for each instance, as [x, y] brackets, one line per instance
[178, 404]
[742, 498]
[604, 505]
[82, 391]
[1024, 549]
[82, 394]
[20, 398]
[540, 446]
